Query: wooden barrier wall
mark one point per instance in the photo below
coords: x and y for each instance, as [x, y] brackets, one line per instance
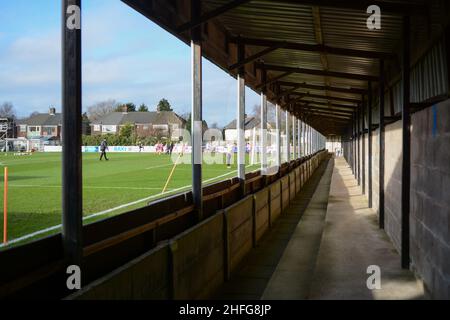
[261, 217]
[195, 263]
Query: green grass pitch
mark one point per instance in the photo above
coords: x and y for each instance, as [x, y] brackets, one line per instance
[126, 182]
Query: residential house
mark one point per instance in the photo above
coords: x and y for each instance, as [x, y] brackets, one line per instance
[146, 124]
[251, 124]
[43, 126]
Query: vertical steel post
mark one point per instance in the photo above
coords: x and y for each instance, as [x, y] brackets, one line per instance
[263, 150]
[294, 139]
[302, 141]
[308, 140]
[299, 138]
[72, 187]
[358, 144]
[406, 156]
[381, 149]
[240, 122]
[363, 151]
[196, 110]
[288, 138]
[353, 145]
[369, 141]
[278, 132]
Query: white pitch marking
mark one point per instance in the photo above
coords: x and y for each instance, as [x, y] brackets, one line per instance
[43, 231]
[84, 187]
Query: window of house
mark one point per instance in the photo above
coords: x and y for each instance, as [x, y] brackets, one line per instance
[97, 127]
[48, 131]
[109, 129]
[160, 127]
[23, 128]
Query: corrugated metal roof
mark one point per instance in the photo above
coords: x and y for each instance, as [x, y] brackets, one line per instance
[261, 19]
[332, 27]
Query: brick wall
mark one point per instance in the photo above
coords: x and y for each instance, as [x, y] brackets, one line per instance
[430, 198]
[430, 193]
[392, 182]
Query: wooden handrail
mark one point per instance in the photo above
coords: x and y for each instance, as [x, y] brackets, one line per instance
[109, 242]
[30, 278]
[221, 192]
[253, 179]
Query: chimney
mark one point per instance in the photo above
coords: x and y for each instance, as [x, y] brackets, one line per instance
[125, 109]
[52, 111]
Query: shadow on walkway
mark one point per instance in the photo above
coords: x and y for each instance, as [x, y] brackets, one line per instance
[256, 270]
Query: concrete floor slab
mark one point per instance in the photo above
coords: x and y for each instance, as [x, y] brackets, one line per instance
[256, 270]
[321, 246]
[352, 242]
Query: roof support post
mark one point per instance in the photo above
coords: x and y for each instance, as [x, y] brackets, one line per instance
[197, 112]
[381, 140]
[309, 140]
[278, 133]
[288, 137]
[358, 144]
[369, 142]
[406, 156]
[240, 122]
[299, 138]
[72, 179]
[304, 135]
[353, 146]
[447, 50]
[363, 151]
[316, 140]
[313, 132]
[263, 150]
[294, 139]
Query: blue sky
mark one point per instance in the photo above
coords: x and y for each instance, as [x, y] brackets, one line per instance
[126, 57]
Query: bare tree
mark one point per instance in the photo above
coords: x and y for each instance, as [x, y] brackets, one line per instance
[101, 109]
[256, 112]
[7, 110]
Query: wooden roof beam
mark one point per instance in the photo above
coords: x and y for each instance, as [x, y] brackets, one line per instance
[211, 15]
[305, 85]
[272, 80]
[318, 96]
[397, 8]
[322, 73]
[320, 48]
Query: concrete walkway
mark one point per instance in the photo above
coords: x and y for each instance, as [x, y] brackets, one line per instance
[352, 242]
[292, 277]
[253, 275]
[321, 248]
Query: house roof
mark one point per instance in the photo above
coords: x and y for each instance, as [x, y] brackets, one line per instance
[249, 123]
[120, 118]
[42, 119]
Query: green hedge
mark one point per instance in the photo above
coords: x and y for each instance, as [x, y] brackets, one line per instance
[118, 140]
